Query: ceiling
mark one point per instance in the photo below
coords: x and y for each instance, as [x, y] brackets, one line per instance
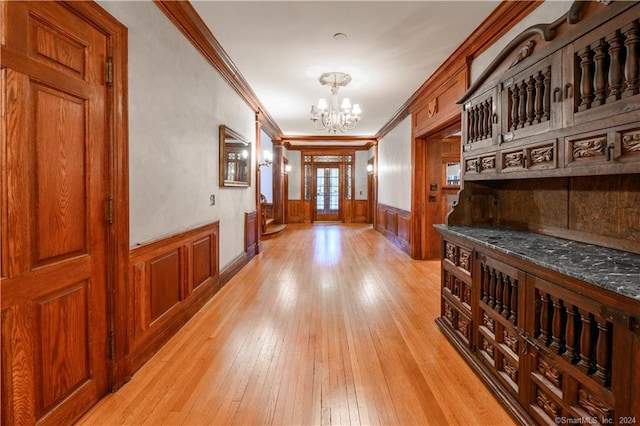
[391, 48]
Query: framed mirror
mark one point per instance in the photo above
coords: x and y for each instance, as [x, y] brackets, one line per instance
[235, 159]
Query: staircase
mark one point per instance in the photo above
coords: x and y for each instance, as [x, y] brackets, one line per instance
[269, 227]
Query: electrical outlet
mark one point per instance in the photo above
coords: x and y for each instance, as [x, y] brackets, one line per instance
[212, 200]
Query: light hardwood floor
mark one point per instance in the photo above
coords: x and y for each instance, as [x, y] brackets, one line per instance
[330, 324]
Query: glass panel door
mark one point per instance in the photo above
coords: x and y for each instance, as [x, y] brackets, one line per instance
[327, 200]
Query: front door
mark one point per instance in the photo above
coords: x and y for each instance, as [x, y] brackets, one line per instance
[54, 221]
[327, 193]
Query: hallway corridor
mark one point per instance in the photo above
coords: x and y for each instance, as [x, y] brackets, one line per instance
[330, 324]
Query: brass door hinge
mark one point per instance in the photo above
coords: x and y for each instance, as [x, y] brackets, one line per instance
[109, 71]
[109, 210]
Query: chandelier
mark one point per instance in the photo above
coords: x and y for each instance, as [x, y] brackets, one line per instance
[338, 115]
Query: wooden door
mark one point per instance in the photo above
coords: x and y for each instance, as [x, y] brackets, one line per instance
[54, 232]
[327, 199]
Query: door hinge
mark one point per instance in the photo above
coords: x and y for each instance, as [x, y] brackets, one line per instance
[112, 345]
[109, 71]
[109, 210]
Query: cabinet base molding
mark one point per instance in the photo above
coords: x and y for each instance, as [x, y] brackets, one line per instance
[508, 402]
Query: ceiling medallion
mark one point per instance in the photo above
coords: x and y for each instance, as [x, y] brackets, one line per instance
[338, 115]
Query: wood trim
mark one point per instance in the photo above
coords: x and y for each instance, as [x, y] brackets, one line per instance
[338, 138]
[118, 181]
[395, 225]
[251, 233]
[148, 333]
[233, 268]
[331, 148]
[506, 15]
[186, 19]
[295, 212]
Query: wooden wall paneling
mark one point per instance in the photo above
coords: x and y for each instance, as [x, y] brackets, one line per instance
[171, 279]
[251, 230]
[438, 106]
[598, 206]
[533, 202]
[295, 212]
[395, 224]
[165, 282]
[361, 211]
[347, 211]
[202, 267]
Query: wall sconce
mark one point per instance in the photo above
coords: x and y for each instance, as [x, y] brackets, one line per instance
[268, 159]
[370, 168]
[287, 168]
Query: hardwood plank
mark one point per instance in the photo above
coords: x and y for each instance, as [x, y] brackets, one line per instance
[329, 324]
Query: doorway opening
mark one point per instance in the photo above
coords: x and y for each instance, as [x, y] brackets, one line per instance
[438, 157]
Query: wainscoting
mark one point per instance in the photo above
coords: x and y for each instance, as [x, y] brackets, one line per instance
[354, 211]
[251, 230]
[295, 212]
[394, 224]
[171, 278]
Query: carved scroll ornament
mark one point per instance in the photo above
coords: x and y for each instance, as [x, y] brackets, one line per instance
[465, 260]
[524, 52]
[547, 404]
[542, 155]
[594, 406]
[488, 322]
[511, 341]
[488, 163]
[589, 147]
[511, 370]
[513, 159]
[550, 373]
[631, 142]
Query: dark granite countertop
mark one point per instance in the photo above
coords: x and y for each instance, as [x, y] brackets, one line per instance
[614, 270]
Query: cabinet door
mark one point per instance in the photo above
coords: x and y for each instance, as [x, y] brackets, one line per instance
[480, 121]
[576, 356]
[602, 76]
[530, 100]
[500, 319]
[457, 290]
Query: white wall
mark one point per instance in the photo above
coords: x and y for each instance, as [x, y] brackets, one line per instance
[546, 13]
[394, 167]
[176, 103]
[360, 171]
[295, 176]
[266, 173]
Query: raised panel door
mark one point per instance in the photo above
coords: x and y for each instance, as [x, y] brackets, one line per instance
[54, 289]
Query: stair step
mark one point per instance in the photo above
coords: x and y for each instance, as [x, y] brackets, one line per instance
[274, 229]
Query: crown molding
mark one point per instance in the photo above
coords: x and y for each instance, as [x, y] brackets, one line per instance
[504, 17]
[324, 138]
[186, 19]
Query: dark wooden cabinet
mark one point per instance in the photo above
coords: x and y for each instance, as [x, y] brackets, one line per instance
[551, 348]
[541, 252]
[570, 107]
